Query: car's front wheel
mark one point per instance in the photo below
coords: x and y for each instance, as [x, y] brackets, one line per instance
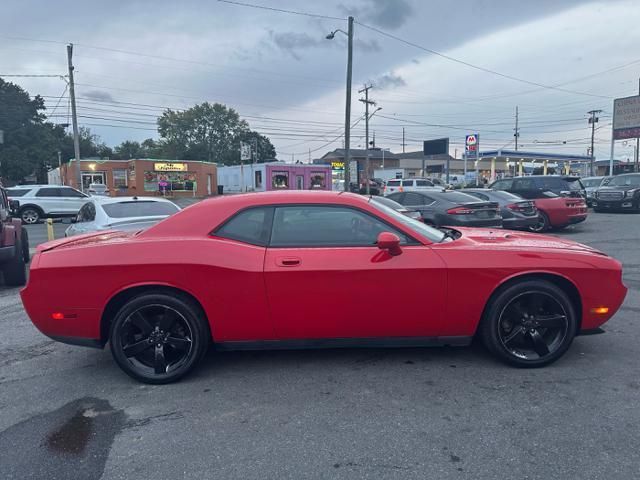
[529, 324]
[159, 337]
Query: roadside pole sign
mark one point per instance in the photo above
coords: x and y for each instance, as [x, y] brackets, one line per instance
[626, 117]
[472, 149]
[245, 151]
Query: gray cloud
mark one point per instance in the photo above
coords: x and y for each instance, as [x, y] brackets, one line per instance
[388, 81]
[382, 13]
[98, 96]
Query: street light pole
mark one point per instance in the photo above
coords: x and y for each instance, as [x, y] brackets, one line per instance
[593, 120]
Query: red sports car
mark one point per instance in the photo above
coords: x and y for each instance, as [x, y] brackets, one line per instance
[559, 212]
[294, 270]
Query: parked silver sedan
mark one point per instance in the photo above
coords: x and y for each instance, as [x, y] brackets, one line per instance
[120, 213]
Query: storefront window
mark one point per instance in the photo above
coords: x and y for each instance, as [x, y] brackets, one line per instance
[318, 180]
[120, 178]
[258, 179]
[280, 180]
[169, 181]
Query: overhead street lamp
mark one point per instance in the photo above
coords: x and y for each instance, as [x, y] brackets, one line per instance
[347, 109]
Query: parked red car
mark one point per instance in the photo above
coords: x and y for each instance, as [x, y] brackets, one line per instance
[559, 212]
[293, 270]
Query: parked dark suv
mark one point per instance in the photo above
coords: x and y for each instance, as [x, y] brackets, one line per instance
[14, 244]
[621, 193]
[535, 186]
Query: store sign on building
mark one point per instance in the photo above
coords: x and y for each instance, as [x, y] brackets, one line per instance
[337, 165]
[626, 117]
[170, 167]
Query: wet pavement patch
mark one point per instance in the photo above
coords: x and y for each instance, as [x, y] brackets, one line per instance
[72, 442]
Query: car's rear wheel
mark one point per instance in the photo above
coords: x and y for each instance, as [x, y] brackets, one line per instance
[30, 215]
[542, 225]
[529, 324]
[159, 337]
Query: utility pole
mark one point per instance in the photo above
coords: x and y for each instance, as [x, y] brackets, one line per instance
[593, 120]
[74, 118]
[637, 152]
[347, 110]
[366, 102]
[517, 132]
[403, 144]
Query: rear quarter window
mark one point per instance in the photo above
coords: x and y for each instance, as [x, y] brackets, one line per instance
[251, 226]
[393, 183]
[17, 192]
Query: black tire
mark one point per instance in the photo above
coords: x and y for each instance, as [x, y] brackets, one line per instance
[15, 270]
[543, 223]
[167, 344]
[24, 236]
[30, 215]
[551, 319]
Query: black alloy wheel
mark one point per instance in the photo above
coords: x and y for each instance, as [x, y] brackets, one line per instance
[529, 324]
[542, 225]
[159, 338]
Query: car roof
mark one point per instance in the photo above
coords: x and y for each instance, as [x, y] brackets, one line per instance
[108, 200]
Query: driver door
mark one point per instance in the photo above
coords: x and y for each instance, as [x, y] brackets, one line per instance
[326, 278]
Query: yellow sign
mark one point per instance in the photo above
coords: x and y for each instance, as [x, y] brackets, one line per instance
[337, 165]
[170, 167]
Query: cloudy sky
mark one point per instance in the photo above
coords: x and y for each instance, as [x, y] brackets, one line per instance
[134, 58]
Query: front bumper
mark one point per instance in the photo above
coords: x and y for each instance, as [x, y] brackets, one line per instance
[624, 204]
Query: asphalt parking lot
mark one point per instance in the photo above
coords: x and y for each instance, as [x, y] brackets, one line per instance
[68, 412]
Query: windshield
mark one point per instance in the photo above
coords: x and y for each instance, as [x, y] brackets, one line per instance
[591, 182]
[431, 233]
[623, 180]
[575, 184]
[139, 208]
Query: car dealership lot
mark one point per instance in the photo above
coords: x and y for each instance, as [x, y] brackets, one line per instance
[378, 413]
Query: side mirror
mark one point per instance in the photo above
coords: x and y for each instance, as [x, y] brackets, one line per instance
[390, 242]
[14, 205]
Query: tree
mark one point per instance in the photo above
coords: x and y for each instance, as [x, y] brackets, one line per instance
[149, 148]
[210, 132]
[30, 144]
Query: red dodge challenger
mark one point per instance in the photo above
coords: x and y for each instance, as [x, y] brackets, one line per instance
[296, 269]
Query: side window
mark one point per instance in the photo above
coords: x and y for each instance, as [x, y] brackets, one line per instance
[397, 197]
[407, 183]
[524, 184]
[393, 183]
[424, 183]
[479, 195]
[502, 185]
[326, 226]
[48, 192]
[71, 193]
[248, 226]
[414, 199]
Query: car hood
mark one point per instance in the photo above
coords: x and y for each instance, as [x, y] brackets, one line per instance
[521, 240]
[83, 240]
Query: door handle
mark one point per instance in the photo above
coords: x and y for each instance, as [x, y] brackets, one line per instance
[288, 262]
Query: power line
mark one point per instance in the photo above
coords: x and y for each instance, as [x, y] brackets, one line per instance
[281, 10]
[471, 65]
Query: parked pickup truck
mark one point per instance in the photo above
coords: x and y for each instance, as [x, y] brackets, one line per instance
[14, 243]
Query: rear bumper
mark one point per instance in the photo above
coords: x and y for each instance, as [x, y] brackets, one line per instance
[519, 223]
[451, 220]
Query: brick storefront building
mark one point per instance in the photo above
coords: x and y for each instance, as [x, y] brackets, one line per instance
[178, 178]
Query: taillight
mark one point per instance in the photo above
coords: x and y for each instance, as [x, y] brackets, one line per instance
[520, 207]
[459, 211]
